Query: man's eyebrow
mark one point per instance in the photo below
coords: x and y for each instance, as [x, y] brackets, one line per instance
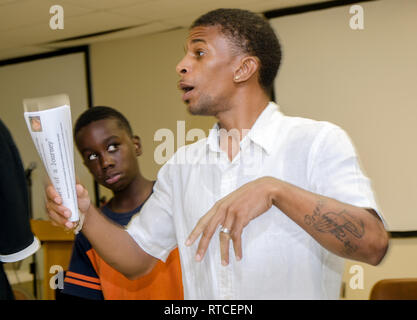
[193, 41]
[198, 40]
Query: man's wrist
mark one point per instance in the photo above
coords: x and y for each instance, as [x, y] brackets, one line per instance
[274, 190]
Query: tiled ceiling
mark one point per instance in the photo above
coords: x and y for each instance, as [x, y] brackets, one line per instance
[24, 24]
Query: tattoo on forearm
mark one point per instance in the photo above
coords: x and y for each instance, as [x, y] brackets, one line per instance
[341, 224]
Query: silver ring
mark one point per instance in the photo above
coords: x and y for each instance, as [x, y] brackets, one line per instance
[225, 230]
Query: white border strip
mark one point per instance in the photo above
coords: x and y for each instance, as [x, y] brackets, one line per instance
[23, 254]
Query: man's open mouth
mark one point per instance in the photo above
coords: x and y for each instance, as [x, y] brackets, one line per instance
[187, 89]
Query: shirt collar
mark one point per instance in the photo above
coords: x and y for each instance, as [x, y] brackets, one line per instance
[262, 132]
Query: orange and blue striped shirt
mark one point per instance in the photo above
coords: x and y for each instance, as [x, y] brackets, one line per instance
[90, 277]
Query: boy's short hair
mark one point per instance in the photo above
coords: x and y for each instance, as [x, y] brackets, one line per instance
[100, 113]
[250, 33]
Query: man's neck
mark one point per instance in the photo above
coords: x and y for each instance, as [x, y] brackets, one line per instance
[237, 121]
[247, 105]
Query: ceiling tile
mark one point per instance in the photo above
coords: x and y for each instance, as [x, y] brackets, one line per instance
[129, 33]
[29, 12]
[5, 2]
[160, 9]
[25, 23]
[97, 22]
[105, 4]
[73, 27]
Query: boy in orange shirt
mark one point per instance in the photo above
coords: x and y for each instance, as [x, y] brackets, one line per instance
[109, 149]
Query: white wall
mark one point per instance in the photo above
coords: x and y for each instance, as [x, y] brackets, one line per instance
[365, 81]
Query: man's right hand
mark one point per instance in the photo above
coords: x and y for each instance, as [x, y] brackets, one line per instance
[60, 214]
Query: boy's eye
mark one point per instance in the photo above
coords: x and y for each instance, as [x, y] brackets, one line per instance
[112, 147]
[92, 156]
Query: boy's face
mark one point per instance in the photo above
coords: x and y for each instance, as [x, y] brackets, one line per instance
[109, 153]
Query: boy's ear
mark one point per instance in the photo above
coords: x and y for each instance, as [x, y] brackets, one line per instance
[138, 145]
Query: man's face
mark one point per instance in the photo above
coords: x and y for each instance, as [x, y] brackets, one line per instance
[109, 153]
[207, 71]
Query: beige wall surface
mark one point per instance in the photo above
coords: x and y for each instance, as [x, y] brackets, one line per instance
[365, 81]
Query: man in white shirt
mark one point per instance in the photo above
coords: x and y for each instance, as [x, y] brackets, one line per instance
[287, 191]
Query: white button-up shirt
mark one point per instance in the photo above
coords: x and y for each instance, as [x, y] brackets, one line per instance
[280, 260]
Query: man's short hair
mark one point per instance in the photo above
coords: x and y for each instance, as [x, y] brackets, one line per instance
[252, 34]
[101, 113]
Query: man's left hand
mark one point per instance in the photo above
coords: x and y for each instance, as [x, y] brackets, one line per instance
[233, 213]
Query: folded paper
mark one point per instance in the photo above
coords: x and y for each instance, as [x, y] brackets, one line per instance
[49, 122]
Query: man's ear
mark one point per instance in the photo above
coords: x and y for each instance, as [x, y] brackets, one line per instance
[248, 67]
[138, 145]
